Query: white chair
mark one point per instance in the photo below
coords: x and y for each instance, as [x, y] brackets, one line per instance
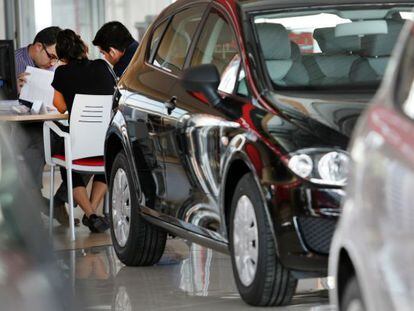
[84, 144]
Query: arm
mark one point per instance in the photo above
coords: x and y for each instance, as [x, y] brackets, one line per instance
[21, 81]
[59, 102]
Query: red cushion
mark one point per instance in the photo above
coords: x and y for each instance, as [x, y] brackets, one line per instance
[95, 161]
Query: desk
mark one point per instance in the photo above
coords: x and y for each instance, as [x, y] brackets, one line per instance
[33, 117]
[7, 114]
[26, 118]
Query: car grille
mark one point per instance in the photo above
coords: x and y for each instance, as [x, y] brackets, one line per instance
[317, 233]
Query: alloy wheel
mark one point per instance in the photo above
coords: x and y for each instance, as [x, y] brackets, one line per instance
[246, 240]
[121, 207]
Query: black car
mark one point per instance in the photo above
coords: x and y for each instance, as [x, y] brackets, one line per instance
[232, 124]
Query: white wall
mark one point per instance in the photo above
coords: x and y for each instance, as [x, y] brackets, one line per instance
[2, 21]
[131, 12]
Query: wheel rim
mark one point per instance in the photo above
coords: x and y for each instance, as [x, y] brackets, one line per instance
[355, 305]
[245, 240]
[121, 207]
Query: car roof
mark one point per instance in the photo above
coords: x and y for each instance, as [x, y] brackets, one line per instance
[259, 4]
[247, 5]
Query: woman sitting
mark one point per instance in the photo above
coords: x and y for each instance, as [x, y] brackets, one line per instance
[79, 75]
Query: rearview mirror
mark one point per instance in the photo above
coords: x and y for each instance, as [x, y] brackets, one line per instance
[204, 79]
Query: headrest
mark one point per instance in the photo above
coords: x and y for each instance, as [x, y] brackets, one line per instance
[274, 41]
[382, 44]
[330, 44]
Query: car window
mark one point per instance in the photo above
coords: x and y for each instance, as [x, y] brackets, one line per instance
[156, 37]
[176, 41]
[329, 48]
[242, 89]
[218, 45]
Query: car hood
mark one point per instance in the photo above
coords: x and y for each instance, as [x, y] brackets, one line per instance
[322, 121]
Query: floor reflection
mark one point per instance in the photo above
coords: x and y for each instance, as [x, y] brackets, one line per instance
[188, 277]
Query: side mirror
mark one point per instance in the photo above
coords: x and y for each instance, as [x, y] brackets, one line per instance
[204, 79]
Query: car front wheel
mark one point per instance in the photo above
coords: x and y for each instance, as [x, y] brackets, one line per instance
[136, 242]
[260, 277]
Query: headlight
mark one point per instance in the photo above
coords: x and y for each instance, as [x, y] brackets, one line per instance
[321, 166]
[302, 165]
[333, 167]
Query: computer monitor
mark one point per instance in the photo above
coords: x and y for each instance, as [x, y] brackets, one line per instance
[8, 79]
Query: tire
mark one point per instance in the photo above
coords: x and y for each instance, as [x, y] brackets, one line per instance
[140, 244]
[271, 284]
[352, 299]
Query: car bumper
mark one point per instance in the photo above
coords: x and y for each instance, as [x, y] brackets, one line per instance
[304, 219]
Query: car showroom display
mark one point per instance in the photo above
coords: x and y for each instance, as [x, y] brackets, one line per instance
[372, 250]
[231, 131]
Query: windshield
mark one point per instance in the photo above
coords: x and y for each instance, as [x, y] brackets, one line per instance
[332, 48]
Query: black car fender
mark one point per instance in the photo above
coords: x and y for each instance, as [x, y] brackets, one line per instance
[117, 139]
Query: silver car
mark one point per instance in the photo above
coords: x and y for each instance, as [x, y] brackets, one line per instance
[372, 251]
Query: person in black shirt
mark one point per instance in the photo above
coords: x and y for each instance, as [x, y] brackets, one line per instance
[79, 75]
[116, 44]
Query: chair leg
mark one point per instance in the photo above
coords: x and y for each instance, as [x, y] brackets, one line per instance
[52, 186]
[70, 201]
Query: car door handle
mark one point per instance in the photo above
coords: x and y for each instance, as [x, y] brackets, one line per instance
[171, 104]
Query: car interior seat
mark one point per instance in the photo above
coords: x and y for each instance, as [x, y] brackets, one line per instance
[333, 65]
[284, 68]
[376, 52]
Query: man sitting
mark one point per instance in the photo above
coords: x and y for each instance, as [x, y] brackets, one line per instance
[41, 54]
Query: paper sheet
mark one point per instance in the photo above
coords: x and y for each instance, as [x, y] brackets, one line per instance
[38, 86]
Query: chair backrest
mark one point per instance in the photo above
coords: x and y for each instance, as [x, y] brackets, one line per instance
[89, 121]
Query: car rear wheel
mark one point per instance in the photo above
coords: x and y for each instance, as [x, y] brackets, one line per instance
[352, 299]
[136, 242]
[260, 277]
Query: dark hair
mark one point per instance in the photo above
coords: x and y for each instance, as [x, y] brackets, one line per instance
[113, 34]
[47, 36]
[69, 46]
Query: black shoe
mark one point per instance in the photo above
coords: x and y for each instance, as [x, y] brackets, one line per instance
[59, 212]
[87, 223]
[97, 224]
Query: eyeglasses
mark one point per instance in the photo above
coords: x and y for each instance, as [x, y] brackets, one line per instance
[53, 58]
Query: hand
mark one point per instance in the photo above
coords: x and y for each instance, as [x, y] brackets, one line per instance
[21, 80]
[60, 63]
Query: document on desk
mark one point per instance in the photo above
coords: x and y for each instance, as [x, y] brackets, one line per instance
[38, 86]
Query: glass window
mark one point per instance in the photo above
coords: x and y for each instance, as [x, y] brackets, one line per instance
[329, 48]
[242, 88]
[217, 45]
[176, 41]
[156, 37]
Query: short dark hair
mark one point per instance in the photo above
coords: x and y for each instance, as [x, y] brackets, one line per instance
[47, 36]
[69, 46]
[113, 34]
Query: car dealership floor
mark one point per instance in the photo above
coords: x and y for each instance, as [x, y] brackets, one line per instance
[188, 277]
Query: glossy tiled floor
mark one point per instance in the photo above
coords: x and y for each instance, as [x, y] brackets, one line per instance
[188, 277]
